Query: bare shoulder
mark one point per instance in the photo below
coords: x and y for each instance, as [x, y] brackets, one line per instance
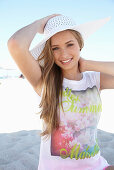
[38, 88]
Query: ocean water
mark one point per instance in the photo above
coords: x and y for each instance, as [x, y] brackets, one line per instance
[9, 73]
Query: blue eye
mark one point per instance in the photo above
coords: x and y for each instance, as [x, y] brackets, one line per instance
[56, 48]
[70, 44]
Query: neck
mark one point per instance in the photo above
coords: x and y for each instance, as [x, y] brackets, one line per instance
[72, 75]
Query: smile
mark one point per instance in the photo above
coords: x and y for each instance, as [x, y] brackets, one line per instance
[66, 61]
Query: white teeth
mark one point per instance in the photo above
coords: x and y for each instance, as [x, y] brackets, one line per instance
[66, 61]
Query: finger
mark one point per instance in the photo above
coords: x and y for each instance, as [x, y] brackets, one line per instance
[53, 15]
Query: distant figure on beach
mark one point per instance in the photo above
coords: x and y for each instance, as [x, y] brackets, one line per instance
[69, 87]
[21, 76]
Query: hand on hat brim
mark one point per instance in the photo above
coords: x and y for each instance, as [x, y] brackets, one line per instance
[42, 22]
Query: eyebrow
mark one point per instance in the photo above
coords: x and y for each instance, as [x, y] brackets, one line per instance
[65, 43]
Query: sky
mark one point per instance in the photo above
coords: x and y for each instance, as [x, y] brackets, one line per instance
[15, 14]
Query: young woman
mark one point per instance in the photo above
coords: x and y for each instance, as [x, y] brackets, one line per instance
[69, 87]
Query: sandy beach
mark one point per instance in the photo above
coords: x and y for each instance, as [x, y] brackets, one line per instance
[20, 125]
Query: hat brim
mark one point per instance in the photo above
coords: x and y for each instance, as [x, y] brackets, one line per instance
[85, 29]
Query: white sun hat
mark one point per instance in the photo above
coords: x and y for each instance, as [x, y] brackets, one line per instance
[61, 23]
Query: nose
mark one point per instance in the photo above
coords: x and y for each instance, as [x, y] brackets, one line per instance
[64, 54]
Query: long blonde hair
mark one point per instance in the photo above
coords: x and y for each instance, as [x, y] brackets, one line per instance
[52, 79]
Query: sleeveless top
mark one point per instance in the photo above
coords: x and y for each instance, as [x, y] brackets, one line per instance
[74, 146]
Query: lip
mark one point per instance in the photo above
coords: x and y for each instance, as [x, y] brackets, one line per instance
[70, 59]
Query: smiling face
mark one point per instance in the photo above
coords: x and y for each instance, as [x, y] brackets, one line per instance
[66, 50]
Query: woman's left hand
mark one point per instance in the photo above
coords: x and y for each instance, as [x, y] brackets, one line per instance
[82, 64]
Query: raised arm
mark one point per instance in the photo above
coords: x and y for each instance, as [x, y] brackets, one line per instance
[18, 46]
